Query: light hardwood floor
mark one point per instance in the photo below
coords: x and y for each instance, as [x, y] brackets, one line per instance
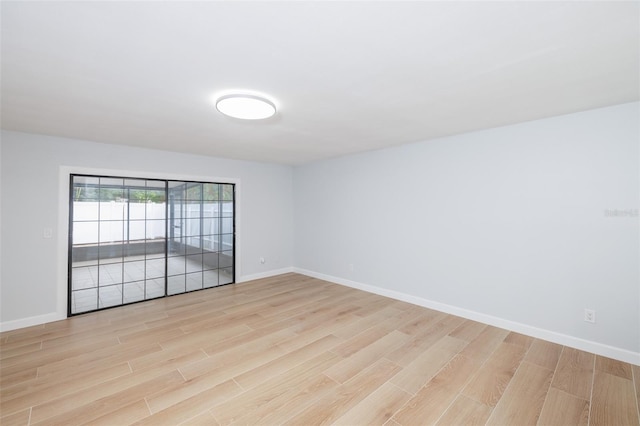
[299, 351]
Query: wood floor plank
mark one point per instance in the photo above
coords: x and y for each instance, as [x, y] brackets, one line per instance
[334, 404]
[272, 395]
[203, 419]
[126, 415]
[352, 365]
[192, 406]
[523, 400]
[175, 356]
[465, 411]
[20, 418]
[615, 367]
[428, 405]
[423, 340]
[362, 340]
[424, 367]
[544, 354]
[377, 408]
[519, 339]
[574, 373]
[17, 376]
[493, 377]
[279, 366]
[96, 359]
[40, 358]
[561, 408]
[66, 410]
[636, 381]
[468, 330]
[206, 337]
[483, 346]
[613, 402]
[9, 352]
[37, 392]
[241, 358]
[414, 319]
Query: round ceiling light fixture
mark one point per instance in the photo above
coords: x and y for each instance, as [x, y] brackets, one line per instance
[246, 107]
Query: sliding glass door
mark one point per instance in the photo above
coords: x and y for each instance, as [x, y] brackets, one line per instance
[200, 249]
[137, 239]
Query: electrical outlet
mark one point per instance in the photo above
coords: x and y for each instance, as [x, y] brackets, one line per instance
[262, 260]
[590, 315]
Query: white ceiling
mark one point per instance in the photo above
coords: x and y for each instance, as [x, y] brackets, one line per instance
[346, 76]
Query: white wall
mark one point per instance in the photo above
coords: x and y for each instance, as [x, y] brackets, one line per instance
[34, 179]
[506, 225]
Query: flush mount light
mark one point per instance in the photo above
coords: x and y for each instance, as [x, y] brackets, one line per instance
[246, 107]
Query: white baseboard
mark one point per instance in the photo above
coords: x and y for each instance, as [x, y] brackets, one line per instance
[30, 321]
[266, 274]
[539, 333]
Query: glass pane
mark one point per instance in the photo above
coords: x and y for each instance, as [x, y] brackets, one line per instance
[210, 279]
[227, 242]
[85, 210]
[194, 191]
[137, 210]
[85, 188]
[211, 191]
[110, 253]
[154, 249]
[109, 274]
[210, 260]
[111, 189]
[110, 296]
[192, 209]
[156, 184]
[135, 183]
[84, 300]
[226, 276]
[209, 226]
[227, 209]
[155, 229]
[176, 265]
[111, 231]
[194, 263]
[226, 259]
[154, 288]
[136, 230]
[154, 268]
[84, 277]
[176, 247]
[176, 284]
[192, 227]
[227, 192]
[176, 209]
[194, 281]
[192, 245]
[133, 292]
[210, 243]
[208, 210]
[112, 210]
[227, 225]
[134, 271]
[85, 233]
[155, 196]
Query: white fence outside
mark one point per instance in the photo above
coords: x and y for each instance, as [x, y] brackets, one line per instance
[117, 221]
